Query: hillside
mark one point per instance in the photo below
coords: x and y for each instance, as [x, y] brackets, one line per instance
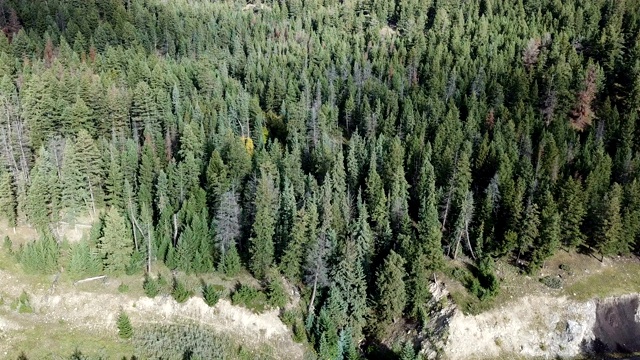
[323, 161]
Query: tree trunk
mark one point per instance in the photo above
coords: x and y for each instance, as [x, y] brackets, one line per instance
[313, 293]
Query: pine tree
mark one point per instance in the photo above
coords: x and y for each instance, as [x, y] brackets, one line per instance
[150, 286]
[376, 198]
[217, 179]
[291, 261]
[349, 278]
[391, 299]
[84, 261]
[610, 231]
[286, 217]
[549, 239]
[231, 264]
[572, 213]
[8, 201]
[40, 202]
[115, 245]
[261, 244]
[179, 291]
[362, 236]
[125, 330]
[114, 182]
[530, 229]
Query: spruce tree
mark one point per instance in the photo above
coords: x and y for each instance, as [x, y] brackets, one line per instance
[125, 330]
[8, 201]
[115, 245]
[391, 295]
[572, 213]
[610, 231]
[261, 244]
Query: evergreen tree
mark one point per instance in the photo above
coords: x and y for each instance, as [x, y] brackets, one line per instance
[40, 194]
[263, 229]
[8, 201]
[610, 231]
[125, 330]
[572, 212]
[115, 244]
[549, 239]
[390, 286]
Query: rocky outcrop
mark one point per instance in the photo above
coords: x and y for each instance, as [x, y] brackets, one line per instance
[537, 327]
[617, 326]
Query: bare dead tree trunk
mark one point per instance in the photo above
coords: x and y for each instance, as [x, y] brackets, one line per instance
[175, 228]
[447, 206]
[313, 293]
[148, 249]
[466, 231]
[93, 200]
[133, 223]
[21, 145]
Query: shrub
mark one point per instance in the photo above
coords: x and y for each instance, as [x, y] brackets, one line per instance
[211, 293]
[23, 303]
[231, 262]
[552, 282]
[565, 267]
[294, 321]
[179, 291]
[7, 245]
[162, 282]
[125, 330]
[40, 256]
[180, 342]
[123, 288]
[277, 296]
[150, 286]
[83, 260]
[249, 297]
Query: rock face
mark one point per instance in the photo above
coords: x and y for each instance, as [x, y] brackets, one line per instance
[545, 327]
[617, 327]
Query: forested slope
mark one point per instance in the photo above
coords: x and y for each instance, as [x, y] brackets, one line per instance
[352, 146]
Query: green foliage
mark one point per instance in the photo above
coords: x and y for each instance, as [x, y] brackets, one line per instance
[123, 288]
[115, 245]
[23, 303]
[263, 229]
[211, 293]
[177, 342]
[7, 245]
[179, 291]
[391, 289]
[125, 329]
[231, 262]
[553, 282]
[407, 352]
[249, 297]
[8, 200]
[276, 294]
[468, 135]
[84, 260]
[40, 256]
[293, 319]
[150, 286]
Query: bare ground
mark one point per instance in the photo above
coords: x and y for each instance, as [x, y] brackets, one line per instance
[76, 310]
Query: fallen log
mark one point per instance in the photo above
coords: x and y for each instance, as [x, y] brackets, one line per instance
[89, 279]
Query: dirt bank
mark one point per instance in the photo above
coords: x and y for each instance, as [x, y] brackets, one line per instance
[548, 327]
[97, 312]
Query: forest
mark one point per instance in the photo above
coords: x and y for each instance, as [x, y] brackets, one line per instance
[351, 147]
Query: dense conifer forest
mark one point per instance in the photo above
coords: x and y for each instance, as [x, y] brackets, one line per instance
[352, 147]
